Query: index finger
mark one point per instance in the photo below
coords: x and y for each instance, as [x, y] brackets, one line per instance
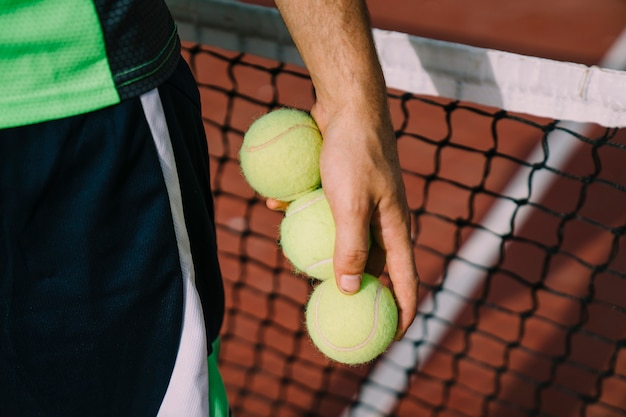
[396, 241]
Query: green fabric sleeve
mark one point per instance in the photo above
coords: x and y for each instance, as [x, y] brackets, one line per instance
[54, 61]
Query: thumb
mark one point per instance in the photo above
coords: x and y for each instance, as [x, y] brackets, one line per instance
[351, 250]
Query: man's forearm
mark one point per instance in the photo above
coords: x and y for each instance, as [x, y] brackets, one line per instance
[359, 161]
[335, 40]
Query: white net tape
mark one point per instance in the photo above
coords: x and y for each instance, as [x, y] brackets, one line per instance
[517, 83]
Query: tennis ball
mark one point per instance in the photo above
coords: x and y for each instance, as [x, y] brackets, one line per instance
[280, 154]
[307, 235]
[352, 329]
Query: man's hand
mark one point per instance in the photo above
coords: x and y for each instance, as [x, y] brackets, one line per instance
[362, 182]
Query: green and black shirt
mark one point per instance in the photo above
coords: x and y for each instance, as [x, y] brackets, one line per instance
[60, 58]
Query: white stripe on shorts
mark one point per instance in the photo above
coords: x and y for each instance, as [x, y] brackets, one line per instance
[188, 391]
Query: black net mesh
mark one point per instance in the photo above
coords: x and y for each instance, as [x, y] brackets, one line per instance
[543, 334]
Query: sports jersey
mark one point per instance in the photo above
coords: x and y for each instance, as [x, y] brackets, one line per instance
[66, 57]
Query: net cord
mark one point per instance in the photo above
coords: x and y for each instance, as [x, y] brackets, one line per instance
[465, 275]
[517, 83]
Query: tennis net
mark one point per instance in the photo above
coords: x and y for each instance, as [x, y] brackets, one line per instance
[514, 169]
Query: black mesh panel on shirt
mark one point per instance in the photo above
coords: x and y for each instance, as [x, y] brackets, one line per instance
[141, 43]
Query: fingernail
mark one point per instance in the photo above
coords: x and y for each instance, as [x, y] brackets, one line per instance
[350, 283]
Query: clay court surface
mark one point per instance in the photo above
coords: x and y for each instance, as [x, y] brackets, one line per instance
[568, 30]
[270, 367]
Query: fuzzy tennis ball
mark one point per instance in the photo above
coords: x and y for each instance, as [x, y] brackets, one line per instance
[307, 235]
[280, 154]
[352, 329]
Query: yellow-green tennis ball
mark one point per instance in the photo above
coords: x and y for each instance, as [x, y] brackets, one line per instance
[307, 235]
[352, 329]
[280, 154]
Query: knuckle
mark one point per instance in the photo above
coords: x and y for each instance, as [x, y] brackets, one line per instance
[352, 258]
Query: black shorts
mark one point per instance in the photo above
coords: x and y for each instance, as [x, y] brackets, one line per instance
[110, 290]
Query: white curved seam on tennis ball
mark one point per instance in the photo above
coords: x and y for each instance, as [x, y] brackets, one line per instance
[276, 138]
[304, 206]
[369, 337]
[289, 197]
[318, 263]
